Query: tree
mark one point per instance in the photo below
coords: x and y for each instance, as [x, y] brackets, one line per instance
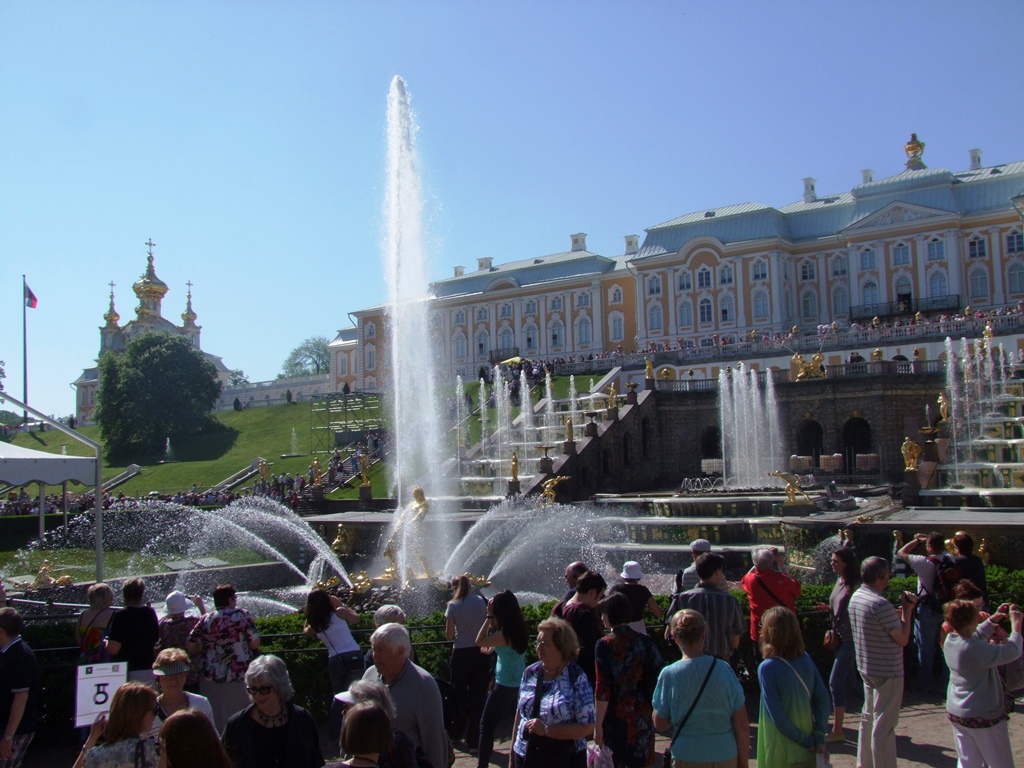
[160, 387]
[237, 377]
[311, 357]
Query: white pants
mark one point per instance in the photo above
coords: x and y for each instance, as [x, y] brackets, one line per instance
[983, 747]
[876, 747]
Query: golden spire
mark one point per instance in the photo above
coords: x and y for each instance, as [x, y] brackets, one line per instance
[189, 316]
[914, 149]
[111, 315]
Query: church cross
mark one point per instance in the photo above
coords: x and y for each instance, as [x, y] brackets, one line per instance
[112, 287]
[189, 284]
[150, 243]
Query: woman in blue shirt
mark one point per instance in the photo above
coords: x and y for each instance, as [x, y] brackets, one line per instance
[504, 633]
[794, 700]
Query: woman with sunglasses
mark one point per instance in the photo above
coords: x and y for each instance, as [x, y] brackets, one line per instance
[272, 731]
[125, 731]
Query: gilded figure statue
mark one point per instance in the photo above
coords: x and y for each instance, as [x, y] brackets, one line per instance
[943, 406]
[342, 544]
[792, 486]
[911, 451]
[569, 433]
[515, 467]
[611, 395]
[548, 495]
[318, 476]
[648, 368]
[876, 355]
[413, 513]
[364, 469]
[264, 470]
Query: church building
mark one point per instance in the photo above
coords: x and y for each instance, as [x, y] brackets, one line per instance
[150, 291]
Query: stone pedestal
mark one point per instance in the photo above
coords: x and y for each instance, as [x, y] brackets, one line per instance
[569, 447]
[513, 488]
[930, 451]
[801, 508]
[613, 413]
[366, 492]
[590, 430]
[650, 384]
[546, 465]
[631, 398]
[911, 488]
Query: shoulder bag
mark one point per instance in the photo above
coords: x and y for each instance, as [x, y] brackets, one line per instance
[544, 751]
[667, 759]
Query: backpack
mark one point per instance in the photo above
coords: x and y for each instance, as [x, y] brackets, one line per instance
[947, 576]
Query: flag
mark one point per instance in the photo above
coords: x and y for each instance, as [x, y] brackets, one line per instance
[30, 298]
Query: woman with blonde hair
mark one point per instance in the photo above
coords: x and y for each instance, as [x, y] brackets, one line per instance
[470, 667]
[125, 731]
[171, 672]
[794, 699]
[555, 715]
[189, 740]
[94, 624]
[701, 701]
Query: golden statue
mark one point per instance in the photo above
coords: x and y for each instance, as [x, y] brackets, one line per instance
[817, 364]
[515, 467]
[914, 149]
[318, 476]
[792, 486]
[876, 355]
[342, 544]
[911, 452]
[611, 395]
[548, 496]
[414, 512]
[569, 433]
[648, 368]
[805, 370]
[264, 469]
[327, 584]
[898, 536]
[988, 333]
[943, 406]
[665, 374]
[364, 469]
[43, 578]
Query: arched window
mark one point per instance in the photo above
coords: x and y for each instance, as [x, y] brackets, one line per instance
[616, 326]
[371, 330]
[839, 265]
[869, 292]
[481, 314]
[728, 307]
[900, 255]
[531, 307]
[840, 301]
[616, 295]
[584, 331]
[761, 305]
[1015, 242]
[725, 275]
[371, 358]
[979, 284]
[1016, 278]
[654, 318]
[759, 271]
[685, 281]
[809, 305]
[506, 310]
[460, 317]
[936, 250]
[705, 311]
[459, 345]
[868, 261]
[530, 337]
[977, 248]
[654, 286]
[807, 271]
[685, 314]
[937, 285]
[555, 304]
[555, 333]
[902, 285]
[704, 278]
[506, 339]
[483, 344]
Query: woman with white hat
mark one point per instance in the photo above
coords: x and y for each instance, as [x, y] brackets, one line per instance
[174, 629]
[639, 596]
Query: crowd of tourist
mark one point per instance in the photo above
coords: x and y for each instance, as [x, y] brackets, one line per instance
[600, 682]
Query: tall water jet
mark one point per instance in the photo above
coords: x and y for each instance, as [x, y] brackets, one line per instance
[751, 438]
[414, 408]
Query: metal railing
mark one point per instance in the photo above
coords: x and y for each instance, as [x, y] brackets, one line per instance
[950, 302]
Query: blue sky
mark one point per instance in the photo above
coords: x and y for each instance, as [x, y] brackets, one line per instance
[248, 138]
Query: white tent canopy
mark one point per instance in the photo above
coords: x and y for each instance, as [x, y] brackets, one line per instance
[19, 466]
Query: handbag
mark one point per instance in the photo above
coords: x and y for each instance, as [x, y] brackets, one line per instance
[543, 751]
[667, 758]
[832, 639]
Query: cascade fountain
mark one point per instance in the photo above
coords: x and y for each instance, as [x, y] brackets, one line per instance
[750, 423]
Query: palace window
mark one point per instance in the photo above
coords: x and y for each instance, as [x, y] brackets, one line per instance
[839, 266]
[555, 304]
[506, 310]
[654, 318]
[704, 278]
[705, 311]
[759, 271]
[1016, 275]
[900, 255]
[707, 341]
[685, 314]
[343, 365]
[584, 331]
[867, 259]
[483, 343]
[460, 317]
[728, 307]
[840, 301]
[979, 284]
[531, 307]
[371, 330]
[530, 335]
[685, 281]
[616, 295]
[654, 286]
[869, 293]
[807, 270]
[506, 339]
[460, 347]
[371, 358]
[1015, 243]
[583, 300]
[616, 330]
[937, 285]
[556, 334]
[976, 249]
[725, 275]
[761, 305]
[481, 315]
[936, 250]
[809, 306]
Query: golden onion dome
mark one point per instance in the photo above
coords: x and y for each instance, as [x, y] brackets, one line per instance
[189, 315]
[111, 315]
[149, 284]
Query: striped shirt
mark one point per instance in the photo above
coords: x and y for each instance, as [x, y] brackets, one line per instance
[721, 612]
[873, 618]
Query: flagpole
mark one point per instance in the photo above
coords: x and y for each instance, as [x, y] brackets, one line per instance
[24, 348]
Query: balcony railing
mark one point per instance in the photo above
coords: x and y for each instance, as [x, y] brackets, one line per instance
[905, 307]
[497, 355]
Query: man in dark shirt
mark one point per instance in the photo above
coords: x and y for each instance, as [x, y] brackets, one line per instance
[19, 690]
[721, 611]
[573, 571]
[134, 632]
[581, 613]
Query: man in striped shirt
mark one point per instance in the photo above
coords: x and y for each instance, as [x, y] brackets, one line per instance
[721, 611]
[880, 633]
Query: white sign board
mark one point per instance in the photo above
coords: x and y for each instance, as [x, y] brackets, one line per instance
[96, 686]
